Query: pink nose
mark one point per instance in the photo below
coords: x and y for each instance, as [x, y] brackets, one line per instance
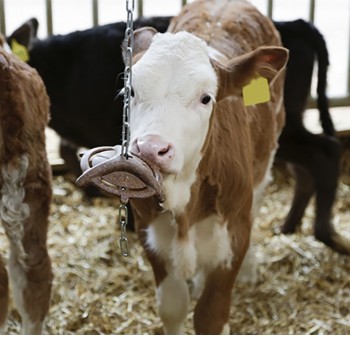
[155, 150]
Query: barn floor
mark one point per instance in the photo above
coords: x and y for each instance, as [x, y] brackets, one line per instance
[303, 287]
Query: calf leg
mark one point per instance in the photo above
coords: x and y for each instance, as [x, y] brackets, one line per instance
[32, 278]
[211, 315]
[173, 301]
[320, 156]
[25, 216]
[4, 295]
[326, 186]
[31, 286]
[303, 190]
[212, 311]
[172, 292]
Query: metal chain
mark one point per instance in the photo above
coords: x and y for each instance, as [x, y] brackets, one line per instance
[123, 221]
[129, 45]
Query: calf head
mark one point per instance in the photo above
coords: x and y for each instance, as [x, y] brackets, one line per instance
[176, 85]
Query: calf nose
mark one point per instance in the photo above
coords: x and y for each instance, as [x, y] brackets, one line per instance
[155, 150]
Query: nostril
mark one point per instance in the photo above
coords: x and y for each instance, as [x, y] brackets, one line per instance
[155, 150]
[164, 150]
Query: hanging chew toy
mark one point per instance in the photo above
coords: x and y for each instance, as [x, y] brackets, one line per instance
[108, 170]
[113, 169]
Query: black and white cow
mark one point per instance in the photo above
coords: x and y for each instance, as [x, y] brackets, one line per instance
[315, 159]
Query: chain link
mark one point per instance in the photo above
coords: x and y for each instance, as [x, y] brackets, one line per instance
[123, 221]
[128, 45]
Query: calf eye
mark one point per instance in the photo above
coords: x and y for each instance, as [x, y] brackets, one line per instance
[205, 99]
[132, 93]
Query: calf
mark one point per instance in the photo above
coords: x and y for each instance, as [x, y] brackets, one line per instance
[315, 159]
[214, 154]
[25, 183]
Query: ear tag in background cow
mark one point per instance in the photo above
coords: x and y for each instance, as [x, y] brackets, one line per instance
[257, 91]
[19, 50]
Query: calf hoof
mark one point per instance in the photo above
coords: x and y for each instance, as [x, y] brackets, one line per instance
[334, 240]
[284, 229]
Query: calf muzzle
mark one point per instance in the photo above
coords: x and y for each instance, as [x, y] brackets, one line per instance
[108, 170]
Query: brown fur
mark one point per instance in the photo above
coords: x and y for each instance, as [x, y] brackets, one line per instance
[23, 117]
[237, 149]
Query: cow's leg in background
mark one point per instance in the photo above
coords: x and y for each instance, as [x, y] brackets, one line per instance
[31, 275]
[303, 190]
[319, 156]
[4, 295]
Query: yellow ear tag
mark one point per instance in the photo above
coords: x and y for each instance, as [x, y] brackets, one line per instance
[257, 91]
[19, 50]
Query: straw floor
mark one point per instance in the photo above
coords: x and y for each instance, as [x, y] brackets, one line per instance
[302, 286]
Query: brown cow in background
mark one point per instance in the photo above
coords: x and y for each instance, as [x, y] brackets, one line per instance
[25, 182]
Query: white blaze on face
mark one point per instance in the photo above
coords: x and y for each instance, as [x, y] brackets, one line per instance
[175, 87]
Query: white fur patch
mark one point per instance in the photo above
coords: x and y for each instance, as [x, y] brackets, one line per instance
[184, 257]
[178, 190]
[173, 302]
[213, 243]
[12, 208]
[207, 247]
[225, 329]
[169, 82]
[248, 273]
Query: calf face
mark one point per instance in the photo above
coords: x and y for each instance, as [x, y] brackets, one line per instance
[176, 84]
[172, 106]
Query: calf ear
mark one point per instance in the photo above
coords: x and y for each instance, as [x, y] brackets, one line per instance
[142, 40]
[25, 34]
[267, 62]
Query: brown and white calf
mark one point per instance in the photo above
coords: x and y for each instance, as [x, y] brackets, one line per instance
[215, 154]
[25, 183]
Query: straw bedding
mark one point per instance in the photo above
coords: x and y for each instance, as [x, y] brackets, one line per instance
[302, 288]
